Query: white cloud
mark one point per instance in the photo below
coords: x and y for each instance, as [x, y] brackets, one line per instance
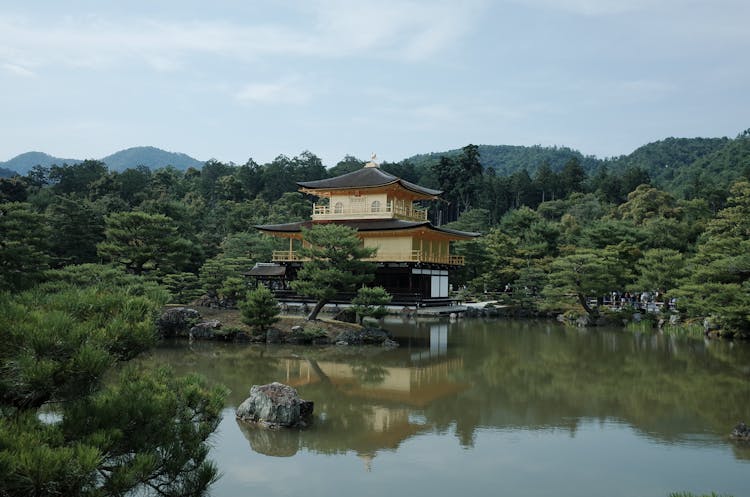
[404, 29]
[335, 28]
[673, 8]
[287, 92]
[645, 87]
[603, 7]
[590, 7]
[164, 64]
[18, 70]
[435, 113]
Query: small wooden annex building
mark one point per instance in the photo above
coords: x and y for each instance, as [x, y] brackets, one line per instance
[413, 257]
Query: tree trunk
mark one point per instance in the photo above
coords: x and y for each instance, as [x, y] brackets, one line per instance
[314, 313]
[591, 312]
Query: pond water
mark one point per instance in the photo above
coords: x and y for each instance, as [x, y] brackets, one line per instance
[487, 407]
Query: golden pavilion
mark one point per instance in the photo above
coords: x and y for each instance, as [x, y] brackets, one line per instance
[413, 257]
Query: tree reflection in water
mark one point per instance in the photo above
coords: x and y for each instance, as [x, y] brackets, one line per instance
[487, 374]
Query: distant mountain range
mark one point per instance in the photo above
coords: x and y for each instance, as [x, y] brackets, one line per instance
[150, 157]
[21, 164]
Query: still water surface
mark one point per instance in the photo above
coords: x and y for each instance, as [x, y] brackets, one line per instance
[487, 407]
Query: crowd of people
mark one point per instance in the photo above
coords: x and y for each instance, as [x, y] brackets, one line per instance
[650, 301]
[647, 301]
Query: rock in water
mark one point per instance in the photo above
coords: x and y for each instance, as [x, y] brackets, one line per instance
[177, 321]
[740, 432]
[275, 405]
[205, 330]
[366, 336]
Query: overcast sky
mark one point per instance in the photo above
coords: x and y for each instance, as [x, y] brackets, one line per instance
[238, 79]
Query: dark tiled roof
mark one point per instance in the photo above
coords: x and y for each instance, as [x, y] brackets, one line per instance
[267, 270]
[472, 234]
[368, 225]
[365, 178]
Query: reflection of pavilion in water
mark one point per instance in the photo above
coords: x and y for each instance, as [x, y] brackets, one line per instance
[424, 380]
[390, 393]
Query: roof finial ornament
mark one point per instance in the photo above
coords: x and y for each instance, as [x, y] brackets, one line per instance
[373, 161]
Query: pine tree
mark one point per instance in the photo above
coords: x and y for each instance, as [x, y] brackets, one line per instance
[138, 433]
[371, 302]
[333, 264]
[144, 242]
[184, 287]
[23, 246]
[719, 282]
[260, 309]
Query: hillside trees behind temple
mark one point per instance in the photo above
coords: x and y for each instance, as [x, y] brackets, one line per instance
[24, 246]
[144, 242]
[77, 178]
[719, 281]
[460, 181]
[77, 227]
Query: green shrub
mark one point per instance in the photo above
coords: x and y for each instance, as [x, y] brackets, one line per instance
[371, 302]
[260, 309]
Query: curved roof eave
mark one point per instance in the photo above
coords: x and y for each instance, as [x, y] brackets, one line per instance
[370, 225]
[366, 178]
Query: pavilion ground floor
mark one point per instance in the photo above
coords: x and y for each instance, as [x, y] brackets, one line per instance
[414, 284]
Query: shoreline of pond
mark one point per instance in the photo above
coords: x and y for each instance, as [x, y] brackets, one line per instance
[225, 324]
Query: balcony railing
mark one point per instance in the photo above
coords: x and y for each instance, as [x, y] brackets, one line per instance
[285, 256]
[387, 211]
[409, 256]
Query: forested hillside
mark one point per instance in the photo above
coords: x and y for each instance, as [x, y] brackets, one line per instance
[716, 169]
[663, 159]
[23, 163]
[509, 159]
[151, 157]
[679, 165]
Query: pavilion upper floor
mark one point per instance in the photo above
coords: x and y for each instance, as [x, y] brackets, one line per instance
[370, 205]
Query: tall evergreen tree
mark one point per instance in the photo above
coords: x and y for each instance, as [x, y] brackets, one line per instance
[83, 228]
[572, 176]
[144, 242]
[719, 283]
[545, 181]
[24, 245]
